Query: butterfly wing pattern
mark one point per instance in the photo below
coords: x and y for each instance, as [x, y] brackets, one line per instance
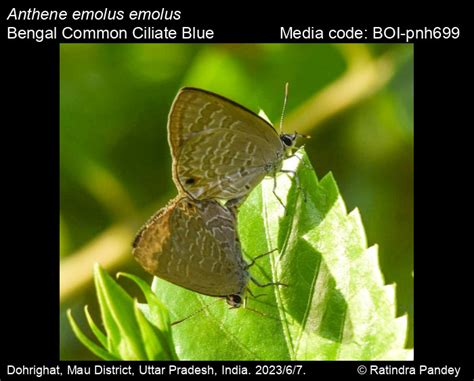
[220, 149]
[194, 244]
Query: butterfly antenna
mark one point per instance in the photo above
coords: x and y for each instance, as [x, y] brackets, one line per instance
[195, 312]
[284, 107]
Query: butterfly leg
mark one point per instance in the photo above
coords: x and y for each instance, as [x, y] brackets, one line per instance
[275, 193]
[267, 284]
[256, 311]
[258, 257]
[297, 180]
[253, 295]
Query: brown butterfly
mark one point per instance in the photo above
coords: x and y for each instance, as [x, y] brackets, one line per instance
[220, 149]
[194, 244]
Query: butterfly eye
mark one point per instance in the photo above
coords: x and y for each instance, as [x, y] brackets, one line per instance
[234, 300]
[190, 181]
[287, 140]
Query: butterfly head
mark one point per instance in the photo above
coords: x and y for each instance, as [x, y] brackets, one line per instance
[289, 140]
[234, 300]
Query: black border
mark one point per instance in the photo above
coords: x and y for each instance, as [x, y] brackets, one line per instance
[31, 181]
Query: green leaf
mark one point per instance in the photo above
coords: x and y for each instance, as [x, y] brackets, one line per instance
[89, 344]
[335, 306]
[133, 332]
[117, 312]
[157, 314]
[152, 339]
[97, 332]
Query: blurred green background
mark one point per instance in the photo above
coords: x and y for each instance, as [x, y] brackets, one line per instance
[355, 100]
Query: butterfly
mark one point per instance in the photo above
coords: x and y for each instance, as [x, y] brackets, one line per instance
[194, 244]
[220, 149]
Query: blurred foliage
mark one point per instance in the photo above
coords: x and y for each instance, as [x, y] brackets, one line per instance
[133, 331]
[115, 161]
